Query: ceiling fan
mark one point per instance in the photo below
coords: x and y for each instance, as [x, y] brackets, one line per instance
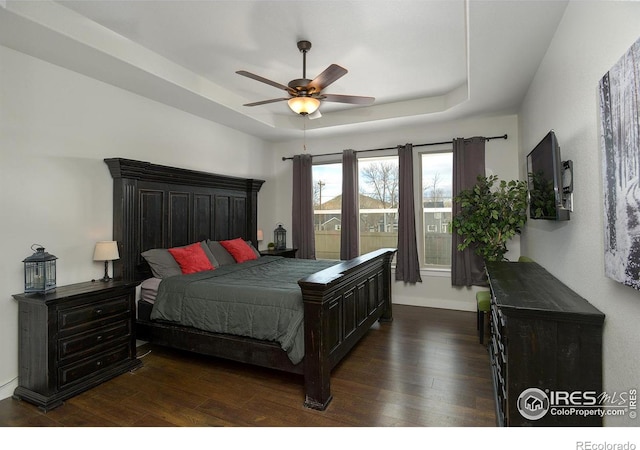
[304, 94]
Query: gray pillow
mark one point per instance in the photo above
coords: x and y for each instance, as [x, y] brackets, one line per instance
[255, 250]
[163, 264]
[207, 251]
[221, 254]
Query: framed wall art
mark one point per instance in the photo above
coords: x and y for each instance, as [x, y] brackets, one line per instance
[619, 91]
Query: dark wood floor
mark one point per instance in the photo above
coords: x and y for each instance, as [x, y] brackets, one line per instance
[426, 368]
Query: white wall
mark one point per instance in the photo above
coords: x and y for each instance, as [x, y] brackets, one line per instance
[501, 160]
[591, 37]
[56, 127]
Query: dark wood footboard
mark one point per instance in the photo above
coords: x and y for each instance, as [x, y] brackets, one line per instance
[340, 305]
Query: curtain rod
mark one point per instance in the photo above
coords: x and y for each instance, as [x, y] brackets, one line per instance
[504, 136]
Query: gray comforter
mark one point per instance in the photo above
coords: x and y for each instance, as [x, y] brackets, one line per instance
[260, 299]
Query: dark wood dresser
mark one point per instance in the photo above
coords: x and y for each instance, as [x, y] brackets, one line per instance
[545, 348]
[73, 339]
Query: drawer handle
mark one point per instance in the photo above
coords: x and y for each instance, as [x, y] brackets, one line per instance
[99, 363]
[98, 338]
[98, 311]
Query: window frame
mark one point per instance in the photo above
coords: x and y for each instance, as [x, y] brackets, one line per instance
[427, 269]
[325, 162]
[372, 156]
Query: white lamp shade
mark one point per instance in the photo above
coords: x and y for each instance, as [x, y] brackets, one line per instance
[106, 251]
[260, 235]
[304, 105]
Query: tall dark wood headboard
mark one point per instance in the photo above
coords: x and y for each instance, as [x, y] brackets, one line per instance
[158, 206]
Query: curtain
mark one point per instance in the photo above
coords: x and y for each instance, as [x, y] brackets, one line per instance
[349, 237]
[467, 268]
[407, 262]
[303, 236]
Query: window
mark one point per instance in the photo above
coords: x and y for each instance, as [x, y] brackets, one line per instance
[378, 186]
[378, 206]
[327, 205]
[437, 174]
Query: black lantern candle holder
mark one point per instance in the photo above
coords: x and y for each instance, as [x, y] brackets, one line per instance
[280, 238]
[39, 271]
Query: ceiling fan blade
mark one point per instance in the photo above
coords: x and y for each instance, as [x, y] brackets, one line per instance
[264, 102]
[353, 99]
[244, 73]
[330, 74]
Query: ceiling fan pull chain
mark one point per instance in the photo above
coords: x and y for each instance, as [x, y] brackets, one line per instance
[304, 133]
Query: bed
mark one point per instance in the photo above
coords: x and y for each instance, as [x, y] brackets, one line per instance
[161, 207]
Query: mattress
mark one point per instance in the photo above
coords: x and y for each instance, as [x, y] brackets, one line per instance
[149, 289]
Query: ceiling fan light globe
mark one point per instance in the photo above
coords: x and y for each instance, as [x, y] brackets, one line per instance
[304, 105]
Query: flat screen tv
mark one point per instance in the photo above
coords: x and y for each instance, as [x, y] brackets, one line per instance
[545, 181]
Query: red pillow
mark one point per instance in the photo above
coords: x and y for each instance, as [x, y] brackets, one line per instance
[239, 249]
[191, 258]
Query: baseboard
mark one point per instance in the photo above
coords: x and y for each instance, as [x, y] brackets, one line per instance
[436, 303]
[6, 390]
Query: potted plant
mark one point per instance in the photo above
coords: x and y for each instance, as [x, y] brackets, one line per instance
[490, 216]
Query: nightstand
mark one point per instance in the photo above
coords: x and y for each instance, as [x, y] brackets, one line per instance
[73, 339]
[287, 252]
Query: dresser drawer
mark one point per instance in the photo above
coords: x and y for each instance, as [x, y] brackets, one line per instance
[74, 372]
[91, 312]
[87, 344]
